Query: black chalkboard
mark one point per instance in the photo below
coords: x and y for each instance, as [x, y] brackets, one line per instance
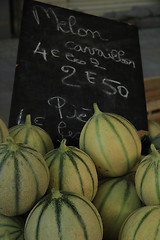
[67, 60]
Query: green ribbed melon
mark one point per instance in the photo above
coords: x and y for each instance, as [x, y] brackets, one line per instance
[142, 224]
[7, 236]
[116, 198]
[24, 177]
[32, 135]
[71, 169]
[156, 141]
[63, 216]
[147, 178]
[153, 129]
[112, 142]
[3, 131]
[12, 226]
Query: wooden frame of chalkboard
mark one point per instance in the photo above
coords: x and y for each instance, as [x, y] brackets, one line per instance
[66, 61]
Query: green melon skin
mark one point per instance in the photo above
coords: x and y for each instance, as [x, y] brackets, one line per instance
[142, 224]
[147, 178]
[4, 132]
[112, 142]
[11, 228]
[6, 236]
[153, 129]
[63, 216]
[32, 135]
[24, 177]
[115, 200]
[156, 141]
[72, 170]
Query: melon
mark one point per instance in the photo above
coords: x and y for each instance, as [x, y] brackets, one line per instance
[153, 128]
[147, 178]
[32, 135]
[63, 216]
[24, 177]
[7, 236]
[112, 142]
[154, 133]
[142, 224]
[115, 200]
[156, 141]
[12, 226]
[3, 131]
[71, 169]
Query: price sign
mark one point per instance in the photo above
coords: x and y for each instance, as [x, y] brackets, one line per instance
[66, 61]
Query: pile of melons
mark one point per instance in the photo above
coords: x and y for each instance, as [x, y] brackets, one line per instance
[105, 189]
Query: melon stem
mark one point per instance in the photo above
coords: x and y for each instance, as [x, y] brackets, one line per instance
[28, 120]
[63, 146]
[56, 193]
[96, 108]
[12, 145]
[154, 150]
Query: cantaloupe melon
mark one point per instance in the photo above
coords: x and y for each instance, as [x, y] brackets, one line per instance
[112, 142]
[24, 177]
[12, 226]
[63, 216]
[71, 169]
[147, 178]
[32, 135]
[115, 200]
[142, 224]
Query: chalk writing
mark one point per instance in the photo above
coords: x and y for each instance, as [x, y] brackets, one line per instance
[20, 116]
[39, 121]
[68, 26]
[113, 54]
[42, 51]
[82, 116]
[70, 61]
[70, 57]
[108, 86]
[91, 79]
[96, 63]
[71, 71]
[63, 126]
[70, 78]
[60, 104]
[123, 91]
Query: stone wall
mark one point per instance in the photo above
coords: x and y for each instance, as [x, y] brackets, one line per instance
[143, 17]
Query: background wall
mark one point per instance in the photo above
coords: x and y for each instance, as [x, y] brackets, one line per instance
[101, 7]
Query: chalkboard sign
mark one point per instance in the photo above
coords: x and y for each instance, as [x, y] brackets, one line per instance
[67, 60]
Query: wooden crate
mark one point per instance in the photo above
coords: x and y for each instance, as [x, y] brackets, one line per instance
[152, 93]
